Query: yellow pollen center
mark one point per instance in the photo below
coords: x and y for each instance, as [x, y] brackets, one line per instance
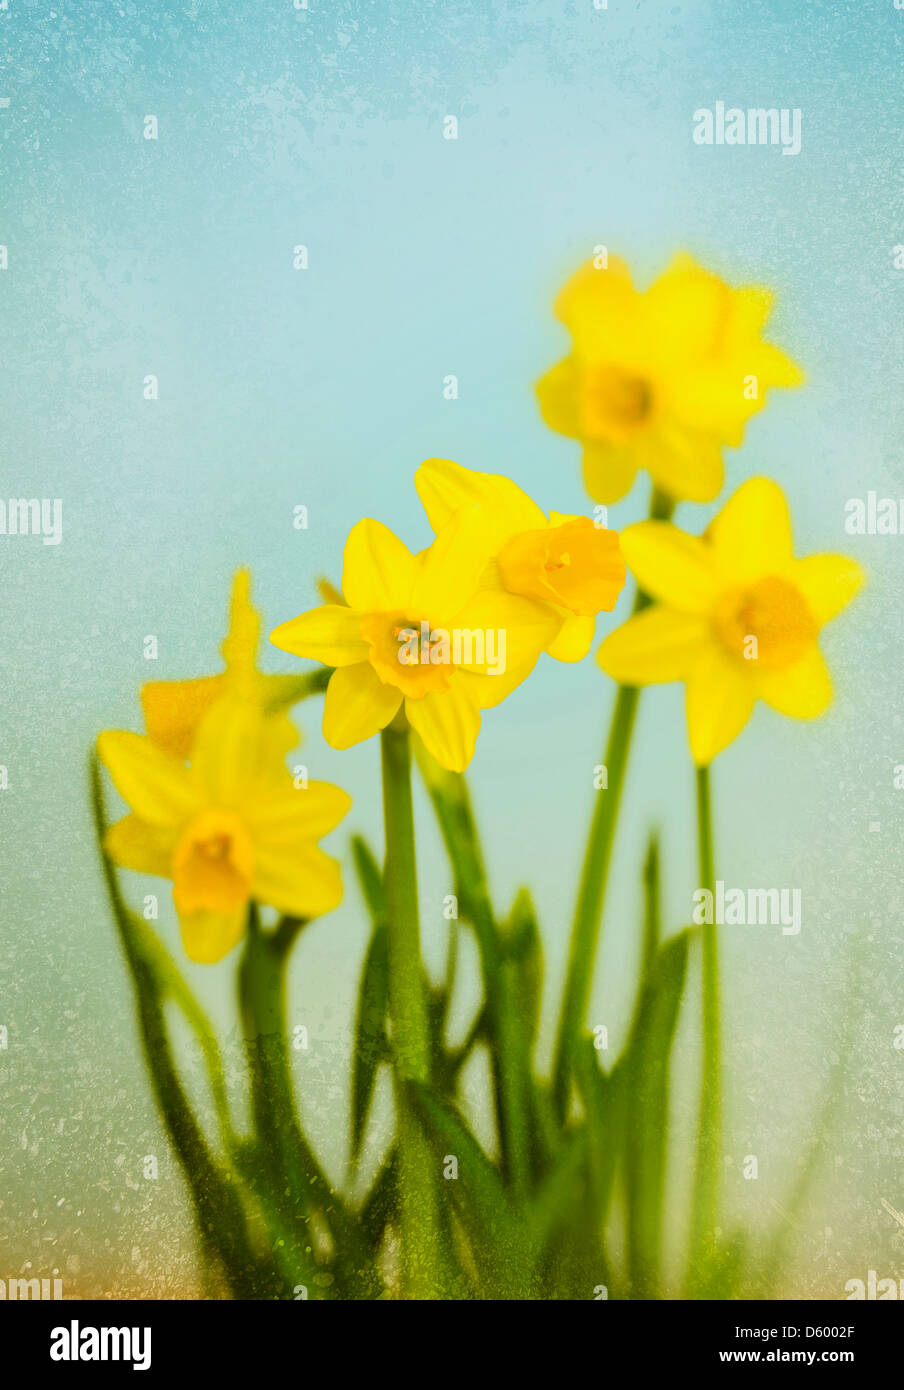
[768, 625]
[213, 864]
[402, 656]
[615, 404]
[576, 565]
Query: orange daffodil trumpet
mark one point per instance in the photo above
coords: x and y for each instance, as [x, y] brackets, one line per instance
[736, 616]
[407, 632]
[569, 563]
[213, 806]
[660, 380]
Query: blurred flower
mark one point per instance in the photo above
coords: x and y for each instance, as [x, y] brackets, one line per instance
[173, 709]
[391, 596]
[229, 828]
[737, 616]
[566, 562]
[660, 380]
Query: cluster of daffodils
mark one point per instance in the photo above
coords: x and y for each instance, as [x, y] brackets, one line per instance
[499, 577]
[662, 381]
[213, 806]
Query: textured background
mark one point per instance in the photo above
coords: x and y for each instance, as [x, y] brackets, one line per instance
[277, 387]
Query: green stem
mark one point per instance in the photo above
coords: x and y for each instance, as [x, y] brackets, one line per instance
[295, 1184]
[706, 1186]
[585, 930]
[418, 1192]
[511, 1078]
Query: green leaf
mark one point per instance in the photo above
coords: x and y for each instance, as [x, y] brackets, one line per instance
[370, 878]
[281, 692]
[603, 1099]
[371, 1045]
[219, 1214]
[506, 1036]
[498, 1239]
[561, 1194]
[381, 1203]
[646, 1082]
[524, 949]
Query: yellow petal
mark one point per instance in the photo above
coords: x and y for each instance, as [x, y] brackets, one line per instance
[301, 881]
[377, 569]
[357, 705]
[557, 395]
[157, 786]
[444, 488]
[133, 844]
[685, 313]
[174, 709]
[574, 639]
[687, 465]
[714, 398]
[278, 737]
[720, 698]
[827, 582]
[751, 535]
[802, 691]
[208, 936]
[452, 567]
[521, 629]
[488, 691]
[294, 814]
[240, 646]
[449, 724]
[331, 634]
[603, 311]
[328, 591]
[609, 471]
[671, 566]
[659, 644]
[227, 753]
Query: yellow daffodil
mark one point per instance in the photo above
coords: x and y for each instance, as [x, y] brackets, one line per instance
[173, 709]
[228, 828]
[660, 380]
[566, 562]
[419, 630]
[737, 616]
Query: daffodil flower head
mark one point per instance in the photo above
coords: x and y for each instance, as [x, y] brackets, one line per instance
[736, 616]
[660, 380]
[568, 563]
[228, 827]
[420, 631]
[174, 709]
